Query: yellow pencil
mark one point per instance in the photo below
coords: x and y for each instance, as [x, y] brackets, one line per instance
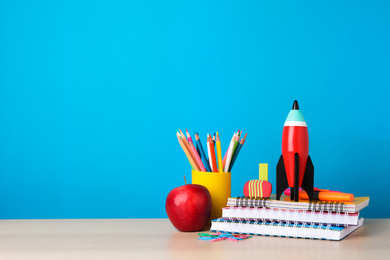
[219, 153]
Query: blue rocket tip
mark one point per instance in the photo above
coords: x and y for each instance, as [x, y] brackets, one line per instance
[295, 105]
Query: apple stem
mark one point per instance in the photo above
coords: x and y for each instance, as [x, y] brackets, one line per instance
[185, 179]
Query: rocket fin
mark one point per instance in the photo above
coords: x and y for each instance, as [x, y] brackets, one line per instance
[308, 178]
[281, 178]
[296, 179]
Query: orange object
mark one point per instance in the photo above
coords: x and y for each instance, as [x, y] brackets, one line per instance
[213, 159]
[328, 196]
[187, 152]
[184, 139]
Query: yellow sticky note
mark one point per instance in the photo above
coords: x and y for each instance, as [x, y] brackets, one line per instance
[263, 171]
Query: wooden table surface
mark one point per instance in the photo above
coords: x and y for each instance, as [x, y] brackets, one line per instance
[158, 239]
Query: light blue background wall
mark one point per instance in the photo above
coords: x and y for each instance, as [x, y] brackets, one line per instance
[91, 94]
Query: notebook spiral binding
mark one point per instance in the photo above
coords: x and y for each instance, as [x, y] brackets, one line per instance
[318, 205]
[315, 205]
[291, 228]
[264, 214]
[251, 201]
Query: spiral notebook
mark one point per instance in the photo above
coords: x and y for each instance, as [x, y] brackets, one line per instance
[292, 215]
[283, 229]
[351, 207]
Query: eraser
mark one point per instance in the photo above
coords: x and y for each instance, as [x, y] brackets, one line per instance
[257, 188]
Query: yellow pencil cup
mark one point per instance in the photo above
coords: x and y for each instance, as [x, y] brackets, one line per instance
[219, 186]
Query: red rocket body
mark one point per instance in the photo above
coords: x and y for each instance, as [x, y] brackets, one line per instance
[295, 139]
[295, 168]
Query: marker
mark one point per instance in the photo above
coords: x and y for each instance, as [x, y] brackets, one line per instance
[328, 196]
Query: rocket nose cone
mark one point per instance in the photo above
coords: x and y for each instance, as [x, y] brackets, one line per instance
[295, 105]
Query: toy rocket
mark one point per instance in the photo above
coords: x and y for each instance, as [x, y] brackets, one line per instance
[295, 168]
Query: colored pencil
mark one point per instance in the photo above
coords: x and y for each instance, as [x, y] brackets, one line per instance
[213, 161]
[236, 141]
[189, 138]
[227, 151]
[195, 152]
[237, 151]
[219, 153]
[224, 158]
[203, 155]
[230, 153]
[178, 135]
[183, 137]
[198, 150]
[197, 158]
[186, 151]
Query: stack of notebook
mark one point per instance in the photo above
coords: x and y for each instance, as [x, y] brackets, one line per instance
[286, 218]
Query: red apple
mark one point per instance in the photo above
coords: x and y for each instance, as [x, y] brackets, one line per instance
[189, 207]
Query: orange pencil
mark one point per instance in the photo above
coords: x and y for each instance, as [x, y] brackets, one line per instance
[184, 139]
[212, 158]
[219, 153]
[187, 152]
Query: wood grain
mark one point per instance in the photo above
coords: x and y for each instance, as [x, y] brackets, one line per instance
[158, 239]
